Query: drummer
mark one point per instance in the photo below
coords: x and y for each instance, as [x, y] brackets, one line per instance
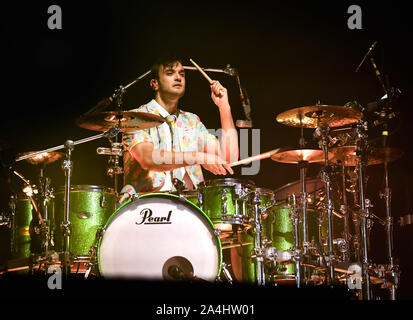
[179, 147]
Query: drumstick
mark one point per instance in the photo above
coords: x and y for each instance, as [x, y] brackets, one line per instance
[202, 71]
[254, 158]
[204, 74]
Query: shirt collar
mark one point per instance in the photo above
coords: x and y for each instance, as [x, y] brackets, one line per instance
[162, 112]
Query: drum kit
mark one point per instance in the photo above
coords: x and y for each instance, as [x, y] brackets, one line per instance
[308, 232]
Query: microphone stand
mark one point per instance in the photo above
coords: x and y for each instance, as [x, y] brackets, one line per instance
[102, 105]
[244, 97]
[365, 56]
[392, 267]
[117, 95]
[364, 208]
[325, 129]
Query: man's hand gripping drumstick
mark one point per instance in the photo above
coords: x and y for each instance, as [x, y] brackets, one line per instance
[228, 151]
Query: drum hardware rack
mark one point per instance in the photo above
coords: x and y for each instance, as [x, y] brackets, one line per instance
[67, 165]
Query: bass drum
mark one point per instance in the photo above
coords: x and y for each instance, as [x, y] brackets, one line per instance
[159, 237]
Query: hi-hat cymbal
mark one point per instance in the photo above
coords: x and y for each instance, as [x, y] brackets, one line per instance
[291, 155]
[319, 115]
[129, 121]
[44, 158]
[376, 155]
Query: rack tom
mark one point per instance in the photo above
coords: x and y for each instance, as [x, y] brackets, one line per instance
[227, 202]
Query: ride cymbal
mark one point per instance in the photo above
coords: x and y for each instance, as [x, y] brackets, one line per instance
[319, 115]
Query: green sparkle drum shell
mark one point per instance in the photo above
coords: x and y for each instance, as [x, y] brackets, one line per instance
[22, 218]
[226, 201]
[283, 237]
[23, 240]
[90, 208]
[247, 264]
[283, 233]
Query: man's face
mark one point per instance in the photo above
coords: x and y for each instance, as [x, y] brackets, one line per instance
[172, 80]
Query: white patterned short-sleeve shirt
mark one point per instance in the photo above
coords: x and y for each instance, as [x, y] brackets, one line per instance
[188, 130]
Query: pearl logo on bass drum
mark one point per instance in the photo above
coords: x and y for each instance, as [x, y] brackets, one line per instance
[147, 218]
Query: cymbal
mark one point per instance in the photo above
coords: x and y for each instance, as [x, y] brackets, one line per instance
[42, 158]
[129, 121]
[376, 155]
[316, 116]
[290, 155]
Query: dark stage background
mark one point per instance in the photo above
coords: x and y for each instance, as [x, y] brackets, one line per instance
[287, 55]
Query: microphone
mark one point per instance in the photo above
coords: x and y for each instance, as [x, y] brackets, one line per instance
[246, 106]
[365, 56]
[177, 273]
[126, 193]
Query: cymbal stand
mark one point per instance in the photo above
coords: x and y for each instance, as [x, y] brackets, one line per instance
[302, 165]
[324, 129]
[295, 217]
[258, 246]
[356, 237]
[65, 226]
[392, 267]
[345, 213]
[364, 209]
[46, 193]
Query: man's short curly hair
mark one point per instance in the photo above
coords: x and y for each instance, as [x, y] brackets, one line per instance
[166, 60]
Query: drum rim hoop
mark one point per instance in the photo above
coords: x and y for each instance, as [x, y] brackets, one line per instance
[308, 179]
[226, 182]
[85, 187]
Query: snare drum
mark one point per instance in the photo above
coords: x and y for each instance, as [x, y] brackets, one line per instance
[227, 202]
[90, 208]
[159, 236]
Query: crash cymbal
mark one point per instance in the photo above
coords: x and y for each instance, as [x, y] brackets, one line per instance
[291, 155]
[376, 155]
[129, 121]
[44, 158]
[319, 115]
